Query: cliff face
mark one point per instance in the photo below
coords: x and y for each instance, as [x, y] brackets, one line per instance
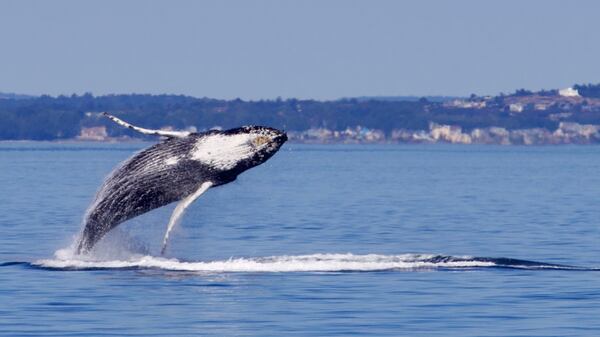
[566, 133]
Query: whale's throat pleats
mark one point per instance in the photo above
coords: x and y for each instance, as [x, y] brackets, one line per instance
[155, 177]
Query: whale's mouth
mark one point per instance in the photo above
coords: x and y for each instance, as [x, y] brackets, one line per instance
[323, 262]
[281, 138]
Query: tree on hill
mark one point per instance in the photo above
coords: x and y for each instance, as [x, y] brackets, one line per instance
[588, 90]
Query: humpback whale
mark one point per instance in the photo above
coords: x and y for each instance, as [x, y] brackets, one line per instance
[179, 168]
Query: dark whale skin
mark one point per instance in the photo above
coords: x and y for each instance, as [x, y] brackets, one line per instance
[143, 182]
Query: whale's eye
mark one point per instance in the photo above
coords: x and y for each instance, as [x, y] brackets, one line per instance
[260, 140]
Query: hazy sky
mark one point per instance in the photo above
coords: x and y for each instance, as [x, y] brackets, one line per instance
[308, 49]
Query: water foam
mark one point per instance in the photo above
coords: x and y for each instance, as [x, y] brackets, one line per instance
[298, 263]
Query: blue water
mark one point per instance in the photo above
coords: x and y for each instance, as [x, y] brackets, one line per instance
[319, 241]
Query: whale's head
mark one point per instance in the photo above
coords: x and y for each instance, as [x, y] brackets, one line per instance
[239, 149]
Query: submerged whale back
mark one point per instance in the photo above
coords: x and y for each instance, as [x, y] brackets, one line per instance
[150, 179]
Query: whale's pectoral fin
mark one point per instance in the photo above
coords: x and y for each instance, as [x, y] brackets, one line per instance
[176, 134]
[180, 208]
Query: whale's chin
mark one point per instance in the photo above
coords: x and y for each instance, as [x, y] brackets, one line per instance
[238, 149]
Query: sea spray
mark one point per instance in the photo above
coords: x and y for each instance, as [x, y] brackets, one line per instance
[325, 262]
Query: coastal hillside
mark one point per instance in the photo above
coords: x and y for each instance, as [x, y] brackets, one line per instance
[570, 115]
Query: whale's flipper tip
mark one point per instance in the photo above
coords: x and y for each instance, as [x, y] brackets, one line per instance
[163, 133]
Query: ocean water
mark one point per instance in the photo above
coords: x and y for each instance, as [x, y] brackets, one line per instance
[344, 240]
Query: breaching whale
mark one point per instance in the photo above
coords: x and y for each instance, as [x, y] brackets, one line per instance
[180, 168]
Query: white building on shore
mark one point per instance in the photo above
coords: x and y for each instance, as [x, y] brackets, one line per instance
[568, 92]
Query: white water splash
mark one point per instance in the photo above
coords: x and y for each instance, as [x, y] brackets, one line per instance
[299, 263]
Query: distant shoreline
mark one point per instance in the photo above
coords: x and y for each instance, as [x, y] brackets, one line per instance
[293, 142]
[547, 117]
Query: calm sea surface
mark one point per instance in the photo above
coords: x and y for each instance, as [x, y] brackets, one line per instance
[319, 241]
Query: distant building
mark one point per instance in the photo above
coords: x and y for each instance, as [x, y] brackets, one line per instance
[516, 107]
[459, 103]
[96, 133]
[568, 92]
[320, 133]
[448, 133]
